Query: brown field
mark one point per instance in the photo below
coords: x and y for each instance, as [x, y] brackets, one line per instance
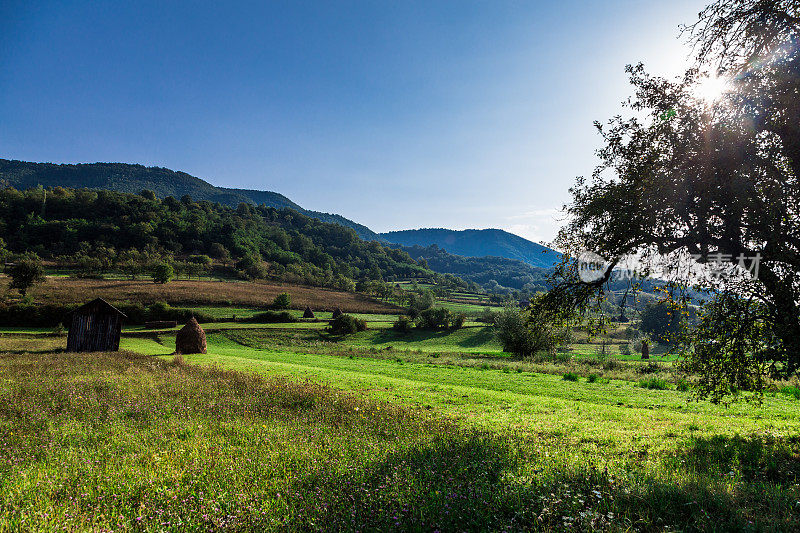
[188, 293]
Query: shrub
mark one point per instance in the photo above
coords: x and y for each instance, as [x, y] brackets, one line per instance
[488, 316]
[162, 273]
[570, 376]
[419, 302]
[403, 324]
[625, 349]
[791, 391]
[272, 317]
[458, 321]
[200, 259]
[592, 378]
[434, 318]
[282, 301]
[346, 324]
[683, 385]
[649, 368]
[654, 383]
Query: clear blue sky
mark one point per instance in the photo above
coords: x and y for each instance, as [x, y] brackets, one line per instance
[394, 114]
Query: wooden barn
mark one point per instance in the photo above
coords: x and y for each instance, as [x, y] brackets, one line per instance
[94, 327]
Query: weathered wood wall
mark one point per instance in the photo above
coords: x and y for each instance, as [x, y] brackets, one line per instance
[94, 332]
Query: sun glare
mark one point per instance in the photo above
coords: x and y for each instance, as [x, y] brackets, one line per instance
[711, 88]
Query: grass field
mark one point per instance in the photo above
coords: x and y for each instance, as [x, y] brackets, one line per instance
[200, 293]
[366, 440]
[287, 427]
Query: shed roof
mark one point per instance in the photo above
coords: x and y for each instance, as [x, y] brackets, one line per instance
[96, 305]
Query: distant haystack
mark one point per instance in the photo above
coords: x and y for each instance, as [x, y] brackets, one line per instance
[645, 350]
[337, 313]
[308, 313]
[190, 339]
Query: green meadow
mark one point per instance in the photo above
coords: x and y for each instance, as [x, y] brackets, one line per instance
[286, 427]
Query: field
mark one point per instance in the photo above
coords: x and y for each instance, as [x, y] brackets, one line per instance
[288, 427]
[199, 293]
[306, 431]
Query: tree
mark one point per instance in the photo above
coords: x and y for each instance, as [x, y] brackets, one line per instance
[526, 332]
[434, 318]
[25, 272]
[282, 301]
[163, 273]
[418, 302]
[220, 252]
[709, 183]
[346, 324]
[662, 321]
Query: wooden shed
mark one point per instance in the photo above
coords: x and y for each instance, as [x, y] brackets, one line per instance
[94, 327]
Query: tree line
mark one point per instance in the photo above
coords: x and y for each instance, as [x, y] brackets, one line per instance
[98, 231]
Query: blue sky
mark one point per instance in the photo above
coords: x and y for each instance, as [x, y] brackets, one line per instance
[394, 114]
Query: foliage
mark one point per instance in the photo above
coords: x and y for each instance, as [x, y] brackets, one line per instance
[25, 272]
[403, 324]
[269, 317]
[162, 273]
[419, 301]
[434, 318]
[714, 179]
[95, 231]
[346, 324]
[162, 183]
[570, 376]
[457, 320]
[526, 332]
[733, 348]
[50, 315]
[654, 383]
[282, 301]
[661, 321]
[488, 315]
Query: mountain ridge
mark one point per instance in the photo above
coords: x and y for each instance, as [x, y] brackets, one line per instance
[478, 243]
[133, 178]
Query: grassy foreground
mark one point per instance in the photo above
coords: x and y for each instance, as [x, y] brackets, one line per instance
[130, 442]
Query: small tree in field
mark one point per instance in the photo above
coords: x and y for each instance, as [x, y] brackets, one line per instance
[163, 273]
[661, 321]
[282, 301]
[25, 272]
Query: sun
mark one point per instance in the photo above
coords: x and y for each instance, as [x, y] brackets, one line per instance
[711, 88]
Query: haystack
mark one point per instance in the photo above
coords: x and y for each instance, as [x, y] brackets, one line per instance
[645, 350]
[308, 313]
[337, 313]
[190, 339]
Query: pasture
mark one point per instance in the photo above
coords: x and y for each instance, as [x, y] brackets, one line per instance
[218, 294]
[288, 429]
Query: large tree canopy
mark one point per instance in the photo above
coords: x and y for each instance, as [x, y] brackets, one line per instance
[714, 178]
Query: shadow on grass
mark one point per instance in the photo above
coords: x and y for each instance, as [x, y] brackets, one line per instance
[473, 483]
[479, 338]
[754, 458]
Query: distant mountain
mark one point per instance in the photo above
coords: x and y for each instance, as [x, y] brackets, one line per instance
[478, 243]
[164, 182]
[495, 274]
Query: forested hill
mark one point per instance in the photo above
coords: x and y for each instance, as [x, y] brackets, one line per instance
[164, 182]
[107, 230]
[478, 243]
[494, 274]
